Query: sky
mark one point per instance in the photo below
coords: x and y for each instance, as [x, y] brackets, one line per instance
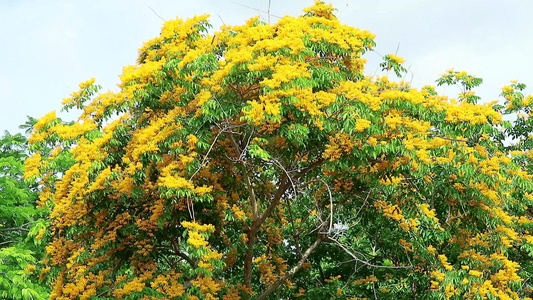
[47, 47]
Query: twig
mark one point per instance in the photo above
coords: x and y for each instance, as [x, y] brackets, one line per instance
[156, 14]
[257, 10]
[363, 205]
[6, 242]
[14, 229]
[190, 208]
[330, 206]
[206, 155]
[221, 19]
[355, 258]
[177, 251]
[269, 1]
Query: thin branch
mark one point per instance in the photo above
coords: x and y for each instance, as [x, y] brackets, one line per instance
[14, 229]
[221, 19]
[363, 205]
[249, 187]
[309, 168]
[185, 257]
[294, 231]
[273, 204]
[330, 206]
[6, 242]
[294, 269]
[190, 208]
[269, 2]
[206, 155]
[177, 251]
[257, 10]
[104, 292]
[276, 162]
[357, 259]
[156, 14]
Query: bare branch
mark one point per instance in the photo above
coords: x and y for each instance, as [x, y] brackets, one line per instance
[257, 10]
[206, 155]
[364, 262]
[6, 242]
[330, 206]
[269, 2]
[14, 229]
[156, 14]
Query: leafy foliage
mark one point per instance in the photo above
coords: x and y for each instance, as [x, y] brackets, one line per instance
[259, 162]
[19, 223]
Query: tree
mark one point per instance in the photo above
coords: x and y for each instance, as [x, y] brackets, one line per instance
[259, 162]
[20, 222]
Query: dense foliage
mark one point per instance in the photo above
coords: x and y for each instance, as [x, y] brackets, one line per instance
[260, 162]
[20, 224]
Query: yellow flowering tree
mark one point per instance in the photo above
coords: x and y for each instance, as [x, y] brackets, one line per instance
[258, 161]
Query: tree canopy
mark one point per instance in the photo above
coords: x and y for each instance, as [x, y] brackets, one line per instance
[258, 161]
[20, 223]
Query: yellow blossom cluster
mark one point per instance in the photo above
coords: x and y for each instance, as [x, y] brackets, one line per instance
[396, 58]
[366, 280]
[338, 145]
[390, 211]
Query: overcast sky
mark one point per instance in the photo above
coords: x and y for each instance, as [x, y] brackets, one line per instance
[48, 46]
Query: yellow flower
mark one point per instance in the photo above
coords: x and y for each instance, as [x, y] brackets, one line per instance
[437, 275]
[175, 182]
[430, 213]
[196, 240]
[44, 120]
[191, 142]
[434, 285]
[30, 269]
[198, 227]
[372, 141]
[40, 235]
[238, 212]
[32, 165]
[366, 280]
[396, 59]
[361, 125]
[86, 84]
[445, 263]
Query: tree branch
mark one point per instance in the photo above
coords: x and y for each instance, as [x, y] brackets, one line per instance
[177, 251]
[249, 187]
[294, 269]
[6, 242]
[14, 229]
[258, 221]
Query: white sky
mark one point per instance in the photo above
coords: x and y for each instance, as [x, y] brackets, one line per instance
[48, 46]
